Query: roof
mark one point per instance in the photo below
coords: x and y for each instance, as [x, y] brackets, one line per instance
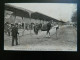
[41, 16]
[18, 11]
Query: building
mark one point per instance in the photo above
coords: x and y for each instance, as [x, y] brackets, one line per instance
[26, 17]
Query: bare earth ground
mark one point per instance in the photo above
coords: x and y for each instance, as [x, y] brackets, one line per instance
[66, 41]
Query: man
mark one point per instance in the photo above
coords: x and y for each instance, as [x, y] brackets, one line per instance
[48, 28]
[14, 34]
[57, 27]
[9, 29]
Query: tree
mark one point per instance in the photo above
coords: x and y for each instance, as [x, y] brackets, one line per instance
[74, 17]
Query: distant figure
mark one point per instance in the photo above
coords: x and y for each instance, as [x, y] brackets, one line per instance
[6, 28]
[57, 27]
[48, 28]
[22, 25]
[14, 34]
[9, 29]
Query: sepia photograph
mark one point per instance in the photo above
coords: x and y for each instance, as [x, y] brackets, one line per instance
[40, 26]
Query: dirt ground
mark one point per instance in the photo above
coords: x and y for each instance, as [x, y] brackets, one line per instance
[66, 40]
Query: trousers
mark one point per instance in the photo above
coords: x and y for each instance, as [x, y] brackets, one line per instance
[14, 39]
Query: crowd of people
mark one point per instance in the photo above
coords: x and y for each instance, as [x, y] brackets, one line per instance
[12, 29]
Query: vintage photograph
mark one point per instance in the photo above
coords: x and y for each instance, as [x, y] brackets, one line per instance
[40, 26]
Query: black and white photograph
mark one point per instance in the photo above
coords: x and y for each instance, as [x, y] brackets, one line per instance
[40, 26]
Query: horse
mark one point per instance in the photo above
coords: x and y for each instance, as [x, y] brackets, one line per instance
[42, 27]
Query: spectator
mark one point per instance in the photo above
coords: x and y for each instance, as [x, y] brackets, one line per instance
[14, 34]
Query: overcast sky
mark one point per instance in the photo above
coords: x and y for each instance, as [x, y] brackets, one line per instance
[59, 11]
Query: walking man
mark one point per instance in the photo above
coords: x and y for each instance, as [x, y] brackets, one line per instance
[14, 34]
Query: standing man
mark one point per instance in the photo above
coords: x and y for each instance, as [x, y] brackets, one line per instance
[57, 27]
[14, 34]
[48, 28]
[9, 29]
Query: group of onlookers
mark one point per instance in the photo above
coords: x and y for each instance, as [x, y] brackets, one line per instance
[12, 30]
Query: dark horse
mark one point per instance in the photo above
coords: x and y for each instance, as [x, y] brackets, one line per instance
[44, 27]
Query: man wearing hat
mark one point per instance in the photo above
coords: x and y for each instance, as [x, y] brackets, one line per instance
[14, 34]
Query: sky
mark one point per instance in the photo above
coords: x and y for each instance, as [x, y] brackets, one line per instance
[60, 11]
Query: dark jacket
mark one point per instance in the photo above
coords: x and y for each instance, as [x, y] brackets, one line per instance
[48, 26]
[14, 31]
